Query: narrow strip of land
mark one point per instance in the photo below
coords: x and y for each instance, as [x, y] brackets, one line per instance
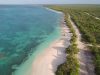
[84, 55]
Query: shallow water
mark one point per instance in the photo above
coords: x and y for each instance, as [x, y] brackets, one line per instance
[23, 31]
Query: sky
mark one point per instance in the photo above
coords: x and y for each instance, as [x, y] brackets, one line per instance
[49, 1]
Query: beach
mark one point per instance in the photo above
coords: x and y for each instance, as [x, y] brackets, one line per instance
[47, 62]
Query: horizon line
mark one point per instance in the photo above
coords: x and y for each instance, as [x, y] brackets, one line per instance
[55, 4]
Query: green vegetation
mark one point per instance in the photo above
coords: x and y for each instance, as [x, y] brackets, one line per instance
[71, 65]
[88, 25]
[90, 29]
[96, 53]
[95, 11]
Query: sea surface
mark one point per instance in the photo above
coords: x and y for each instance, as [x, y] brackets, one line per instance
[25, 31]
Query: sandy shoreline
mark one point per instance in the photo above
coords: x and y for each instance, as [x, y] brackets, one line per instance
[54, 10]
[46, 63]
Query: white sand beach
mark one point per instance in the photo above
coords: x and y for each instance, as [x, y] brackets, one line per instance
[47, 62]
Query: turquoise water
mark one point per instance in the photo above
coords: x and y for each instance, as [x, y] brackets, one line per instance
[25, 31]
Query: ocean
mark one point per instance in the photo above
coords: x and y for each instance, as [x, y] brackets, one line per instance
[25, 31]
